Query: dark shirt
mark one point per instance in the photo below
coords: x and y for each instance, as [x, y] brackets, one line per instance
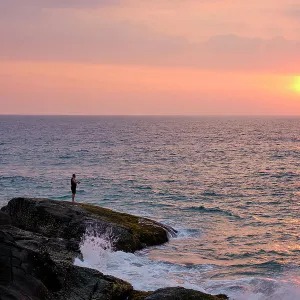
[73, 184]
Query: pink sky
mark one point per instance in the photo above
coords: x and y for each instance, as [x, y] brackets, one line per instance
[205, 57]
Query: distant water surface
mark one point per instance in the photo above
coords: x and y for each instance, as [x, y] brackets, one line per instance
[230, 186]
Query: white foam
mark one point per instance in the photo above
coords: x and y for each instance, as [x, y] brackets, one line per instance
[146, 274]
[142, 272]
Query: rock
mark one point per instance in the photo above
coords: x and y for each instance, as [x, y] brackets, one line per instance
[58, 249]
[53, 219]
[4, 219]
[17, 276]
[31, 275]
[132, 232]
[85, 284]
[60, 219]
[176, 293]
[138, 295]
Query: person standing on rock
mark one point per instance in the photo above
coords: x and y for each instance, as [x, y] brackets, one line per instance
[74, 183]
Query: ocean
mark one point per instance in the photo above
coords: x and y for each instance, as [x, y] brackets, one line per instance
[229, 185]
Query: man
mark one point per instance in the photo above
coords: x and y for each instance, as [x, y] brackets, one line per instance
[74, 183]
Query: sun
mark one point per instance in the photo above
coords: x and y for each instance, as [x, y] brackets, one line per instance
[296, 84]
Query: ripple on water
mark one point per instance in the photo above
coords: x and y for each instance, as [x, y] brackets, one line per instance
[215, 178]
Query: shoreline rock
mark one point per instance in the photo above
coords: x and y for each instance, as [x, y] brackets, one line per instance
[61, 219]
[174, 293]
[34, 275]
[40, 238]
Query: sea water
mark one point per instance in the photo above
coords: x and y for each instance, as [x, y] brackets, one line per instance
[229, 185]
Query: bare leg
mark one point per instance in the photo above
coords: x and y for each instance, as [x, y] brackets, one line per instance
[73, 198]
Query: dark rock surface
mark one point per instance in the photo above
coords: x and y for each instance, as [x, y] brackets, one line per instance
[60, 219]
[28, 274]
[40, 238]
[4, 219]
[174, 293]
[179, 293]
[58, 249]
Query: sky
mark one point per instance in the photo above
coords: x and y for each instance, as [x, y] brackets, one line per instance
[150, 57]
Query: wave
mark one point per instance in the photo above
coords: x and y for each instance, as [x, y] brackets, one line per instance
[146, 274]
[143, 187]
[213, 210]
[17, 178]
[64, 197]
[66, 157]
[268, 267]
[188, 233]
[81, 191]
[210, 193]
[255, 289]
[142, 272]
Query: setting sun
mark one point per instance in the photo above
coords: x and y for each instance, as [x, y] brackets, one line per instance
[296, 84]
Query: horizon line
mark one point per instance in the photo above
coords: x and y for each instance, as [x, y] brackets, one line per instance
[150, 115]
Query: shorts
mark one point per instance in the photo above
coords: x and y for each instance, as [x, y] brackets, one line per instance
[73, 191]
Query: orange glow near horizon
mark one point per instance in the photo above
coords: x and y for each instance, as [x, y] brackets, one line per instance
[150, 57]
[73, 88]
[107, 77]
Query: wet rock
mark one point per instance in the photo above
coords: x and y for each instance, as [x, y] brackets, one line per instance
[58, 249]
[53, 219]
[18, 266]
[32, 275]
[138, 295]
[130, 233]
[176, 293]
[87, 284]
[4, 219]
[60, 219]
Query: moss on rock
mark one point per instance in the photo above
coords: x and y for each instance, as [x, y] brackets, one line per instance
[145, 232]
[138, 295]
[62, 219]
[175, 293]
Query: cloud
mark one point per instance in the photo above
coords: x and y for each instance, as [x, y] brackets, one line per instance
[12, 6]
[127, 43]
[77, 3]
[63, 37]
[235, 52]
[295, 13]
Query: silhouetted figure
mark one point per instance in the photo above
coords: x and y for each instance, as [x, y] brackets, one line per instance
[74, 183]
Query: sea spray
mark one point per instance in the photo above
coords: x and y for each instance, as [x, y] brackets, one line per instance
[94, 249]
[142, 272]
[148, 275]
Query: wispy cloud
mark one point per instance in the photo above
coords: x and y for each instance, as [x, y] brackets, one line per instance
[103, 36]
[295, 13]
[129, 43]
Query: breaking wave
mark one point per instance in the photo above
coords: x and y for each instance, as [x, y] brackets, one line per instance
[147, 274]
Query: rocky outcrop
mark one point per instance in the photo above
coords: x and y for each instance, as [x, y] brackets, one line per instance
[40, 238]
[59, 219]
